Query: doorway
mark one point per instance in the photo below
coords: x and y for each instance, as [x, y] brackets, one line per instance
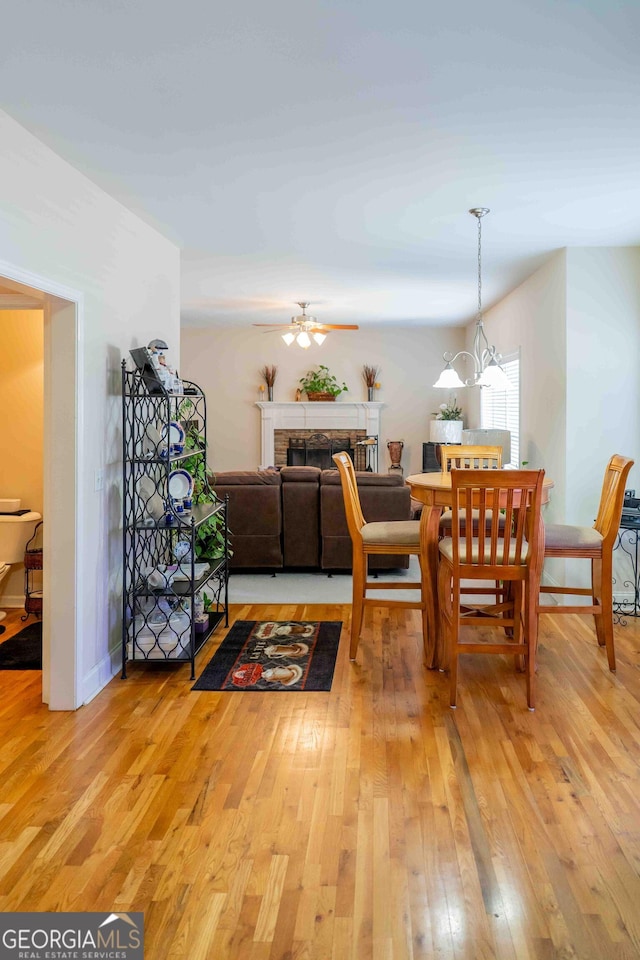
[62, 501]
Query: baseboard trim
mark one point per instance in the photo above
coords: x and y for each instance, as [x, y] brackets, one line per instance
[102, 674]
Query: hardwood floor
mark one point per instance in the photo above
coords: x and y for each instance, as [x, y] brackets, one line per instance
[369, 822]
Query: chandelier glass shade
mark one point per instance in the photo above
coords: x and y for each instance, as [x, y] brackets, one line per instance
[487, 371]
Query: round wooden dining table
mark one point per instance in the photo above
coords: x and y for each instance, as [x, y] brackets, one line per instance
[433, 490]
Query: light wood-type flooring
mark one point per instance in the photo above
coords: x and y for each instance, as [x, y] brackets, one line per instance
[369, 822]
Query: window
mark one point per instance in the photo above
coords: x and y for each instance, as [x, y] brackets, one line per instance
[500, 409]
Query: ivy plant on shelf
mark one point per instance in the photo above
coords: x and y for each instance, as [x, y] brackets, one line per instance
[209, 536]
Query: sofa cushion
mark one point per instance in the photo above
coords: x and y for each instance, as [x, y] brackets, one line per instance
[243, 478]
[364, 479]
[300, 475]
[301, 516]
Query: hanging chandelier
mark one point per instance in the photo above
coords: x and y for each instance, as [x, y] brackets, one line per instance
[487, 370]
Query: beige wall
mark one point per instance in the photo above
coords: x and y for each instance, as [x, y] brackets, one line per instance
[21, 393]
[226, 361]
[59, 226]
[603, 375]
[577, 323]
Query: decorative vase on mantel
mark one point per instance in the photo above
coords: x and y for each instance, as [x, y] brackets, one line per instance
[445, 431]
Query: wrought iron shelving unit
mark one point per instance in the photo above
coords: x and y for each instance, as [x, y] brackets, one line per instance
[162, 579]
[629, 607]
[33, 574]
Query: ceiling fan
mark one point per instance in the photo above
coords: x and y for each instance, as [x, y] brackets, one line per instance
[303, 327]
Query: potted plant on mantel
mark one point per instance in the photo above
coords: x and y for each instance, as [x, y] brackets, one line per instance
[447, 426]
[319, 384]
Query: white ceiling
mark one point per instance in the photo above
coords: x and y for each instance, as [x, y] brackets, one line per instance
[329, 150]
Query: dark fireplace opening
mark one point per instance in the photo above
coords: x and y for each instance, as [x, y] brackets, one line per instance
[317, 451]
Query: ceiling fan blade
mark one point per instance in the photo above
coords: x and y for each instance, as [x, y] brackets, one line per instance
[336, 326]
[319, 327]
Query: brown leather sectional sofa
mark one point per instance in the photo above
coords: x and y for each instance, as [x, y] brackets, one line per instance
[294, 517]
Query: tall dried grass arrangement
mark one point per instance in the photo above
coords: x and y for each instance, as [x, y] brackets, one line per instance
[370, 375]
[268, 374]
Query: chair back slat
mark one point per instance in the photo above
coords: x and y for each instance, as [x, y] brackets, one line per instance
[470, 457]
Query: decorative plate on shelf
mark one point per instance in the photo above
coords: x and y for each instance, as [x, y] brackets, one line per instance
[180, 484]
[175, 439]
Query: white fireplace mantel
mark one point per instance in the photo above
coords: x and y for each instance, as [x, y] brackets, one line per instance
[316, 415]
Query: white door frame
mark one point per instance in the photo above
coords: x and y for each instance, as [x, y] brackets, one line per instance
[63, 504]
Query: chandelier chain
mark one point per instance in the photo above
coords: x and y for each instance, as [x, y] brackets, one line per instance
[479, 268]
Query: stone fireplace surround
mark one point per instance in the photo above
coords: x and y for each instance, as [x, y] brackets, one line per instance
[318, 417]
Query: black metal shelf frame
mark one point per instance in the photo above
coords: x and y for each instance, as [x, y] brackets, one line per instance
[630, 607]
[158, 617]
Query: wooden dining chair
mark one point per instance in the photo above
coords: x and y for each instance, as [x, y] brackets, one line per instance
[472, 457]
[594, 543]
[510, 553]
[401, 537]
[466, 457]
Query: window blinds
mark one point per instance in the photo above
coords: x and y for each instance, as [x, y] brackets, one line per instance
[500, 409]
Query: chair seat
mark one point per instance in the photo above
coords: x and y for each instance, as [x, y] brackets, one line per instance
[446, 549]
[398, 532]
[561, 536]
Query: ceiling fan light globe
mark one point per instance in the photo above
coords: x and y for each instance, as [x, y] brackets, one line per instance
[319, 338]
[288, 338]
[303, 340]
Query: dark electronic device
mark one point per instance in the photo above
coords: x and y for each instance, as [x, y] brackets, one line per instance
[142, 359]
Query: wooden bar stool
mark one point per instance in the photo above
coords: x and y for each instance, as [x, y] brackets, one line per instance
[393, 536]
[596, 544]
[510, 553]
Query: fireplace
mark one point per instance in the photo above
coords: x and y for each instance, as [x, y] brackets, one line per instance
[317, 450]
[360, 422]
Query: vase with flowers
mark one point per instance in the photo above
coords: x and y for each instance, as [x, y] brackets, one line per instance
[447, 426]
[370, 377]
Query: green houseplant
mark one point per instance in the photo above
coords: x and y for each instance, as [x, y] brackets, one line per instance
[209, 536]
[319, 384]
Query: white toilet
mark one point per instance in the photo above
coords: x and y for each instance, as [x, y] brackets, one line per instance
[15, 532]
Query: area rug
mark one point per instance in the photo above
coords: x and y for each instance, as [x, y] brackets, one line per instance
[274, 655]
[23, 651]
